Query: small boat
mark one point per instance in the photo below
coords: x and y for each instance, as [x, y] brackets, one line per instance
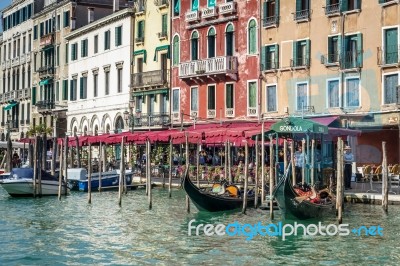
[290, 203]
[20, 183]
[78, 179]
[219, 200]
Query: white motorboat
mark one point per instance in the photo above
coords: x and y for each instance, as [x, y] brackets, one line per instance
[20, 183]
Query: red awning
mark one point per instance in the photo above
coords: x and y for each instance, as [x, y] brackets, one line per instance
[326, 121]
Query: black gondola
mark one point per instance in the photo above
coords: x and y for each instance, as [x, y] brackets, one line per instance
[285, 195]
[207, 201]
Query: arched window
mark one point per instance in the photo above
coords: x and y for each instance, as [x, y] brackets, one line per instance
[85, 131]
[119, 124]
[96, 130]
[194, 40]
[211, 43]
[175, 51]
[252, 37]
[229, 40]
[108, 129]
[75, 131]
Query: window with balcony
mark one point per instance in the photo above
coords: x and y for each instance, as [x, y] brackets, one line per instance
[352, 55]
[175, 51]
[84, 48]
[333, 55]
[252, 37]
[73, 88]
[83, 88]
[350, 5]
[175, 100]
[301, 96]
[211, 110]
[271, 13]
[391, 46]
[332, 7]
[74, 51]
[269, 57]
[390, 93]
[177, 7]
[194, 46]
[140, 32]
[211, 43]
[229, 40]
[301, 53]
[252, 98]
[118, 36]
[271, 98]
[229, 99]
[352, 92]
[107, 40]
[302, 10]
[333, 93]
[194, 99]
[195, 5]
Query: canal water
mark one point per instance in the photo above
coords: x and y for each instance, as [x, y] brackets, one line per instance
[45, 231]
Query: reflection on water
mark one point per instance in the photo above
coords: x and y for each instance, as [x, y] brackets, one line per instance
[72, 232]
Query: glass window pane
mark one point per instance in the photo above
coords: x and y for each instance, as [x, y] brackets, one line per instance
[252, 94]
[333, 93]
[193, 99]
[175, 101]
[271, 98]
[390, 87]
[301, 96]
[352, 93]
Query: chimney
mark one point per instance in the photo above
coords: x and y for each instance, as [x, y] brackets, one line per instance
[116, 5]
[90, 15]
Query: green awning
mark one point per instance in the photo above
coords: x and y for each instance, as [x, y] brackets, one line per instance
[162, 48]
[142, 93]
[10, 106]
[44, 82]
[298, 125]
[141, 52]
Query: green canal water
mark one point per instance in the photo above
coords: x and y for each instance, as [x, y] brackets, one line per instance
[45, 231]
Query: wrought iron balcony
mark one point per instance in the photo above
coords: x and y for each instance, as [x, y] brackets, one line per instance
[140, 6]
[388, 55]
[46, 39]
[351, 59]
[139, 40]
[333, 9]
[211, 113]
[46, 105]
[300, 62]
[150, 78]
[22, 59]
[15, 61]
[330, 59]
[271, 21]
[162, 35]
[209, 12]
[161, 3]
[46, 71]
[227, 8]
[13, 125]
[270, 65]
[216, 65]
[151, 119]
[192, 16]
[302, 15]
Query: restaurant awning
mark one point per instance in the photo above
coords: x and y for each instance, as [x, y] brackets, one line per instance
[10, 106]
[161, 48]
[44, 82]
[293, 125]
[325, 120]
[149, 92]
[141, 52]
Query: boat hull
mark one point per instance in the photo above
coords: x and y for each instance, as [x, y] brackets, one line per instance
[24, 187]
[212, 203]
[108, 181]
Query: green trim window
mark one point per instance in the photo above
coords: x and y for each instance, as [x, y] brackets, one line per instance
[74, 51]
[140, 31]
[211, 3]
[352, 57]
[195, 5]
[194, 99]
[96, 44]
[73, 89]
[107, 82]
[270, 57]
[83, 88]
[301, 53]
[271, 101]
[66, 17]
[302, 10]
[334, 43]
[211, 42]
[33, 96]
[271, 13]
[301, 96]
[118, 36]
[332, 7]
[95, 84]
[229, 40]
[391, 46]
[194, 46]
[229, 96]
[333, 93]
[352, 92]
[177, 8]
[84, 48]
[211, 98]
[57, 91]
[175, 51]
[349, 5]
[252, 96]
[252, 37]
[107, 35]
[164, 24]
[390, 93]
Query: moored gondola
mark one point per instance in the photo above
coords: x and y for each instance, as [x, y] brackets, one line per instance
[291, 205]
[213, 202]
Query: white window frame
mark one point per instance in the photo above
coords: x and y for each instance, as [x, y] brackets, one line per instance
[276, 97]
[172, 97]
[233, 97]
[233, 40]
[383, 85]
[384, 39]
[345, 92]
[198, 45]
[248, 37]
[179, 51]
[327, 92]
[307, 97]
[247, 97]
[215, 97]
[190, 98]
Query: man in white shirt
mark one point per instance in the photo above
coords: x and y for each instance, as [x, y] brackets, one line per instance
[298, 162]
[348, 159]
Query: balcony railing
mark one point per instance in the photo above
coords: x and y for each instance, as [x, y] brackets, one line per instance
[227, 8]
[15, 95]
[230, 112]
[161, 3]
[211, 113]
[151, 119]
[209, 12]
[46, 39]
[15, 62]
[22, 59]
[150, 78]
[3, 65]
[140, 6]
[271, 21]
[175, 116]
[45, 105]
[46, 71]
[332, 9]
[301, 15]
[270, 65]
[162, 35]
[300, 62]
[8, 64]
[192, 16]
[139, 40]
[330, 59]
[216, 65]
[388, 55]
[28, 57]
[13, 125]
[351, 59]
[252, 111]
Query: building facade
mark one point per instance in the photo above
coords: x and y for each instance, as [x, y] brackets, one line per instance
[215, 60]
[99, 69]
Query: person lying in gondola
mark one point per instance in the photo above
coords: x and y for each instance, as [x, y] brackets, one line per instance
[320, 197]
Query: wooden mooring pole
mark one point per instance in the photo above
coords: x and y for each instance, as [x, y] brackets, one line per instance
[187, 169]
[121, 174]
[385, 187]
[90, 174]
[35, 166]
[256, 175]
[170, 169]
[66, 163]
[40, 166]
[54, 156]
[148, 163]
[246, 168]
[101, 158]
[293, 165]
[271, 178]
[339, 182]
[262, 163]
[60, 174]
